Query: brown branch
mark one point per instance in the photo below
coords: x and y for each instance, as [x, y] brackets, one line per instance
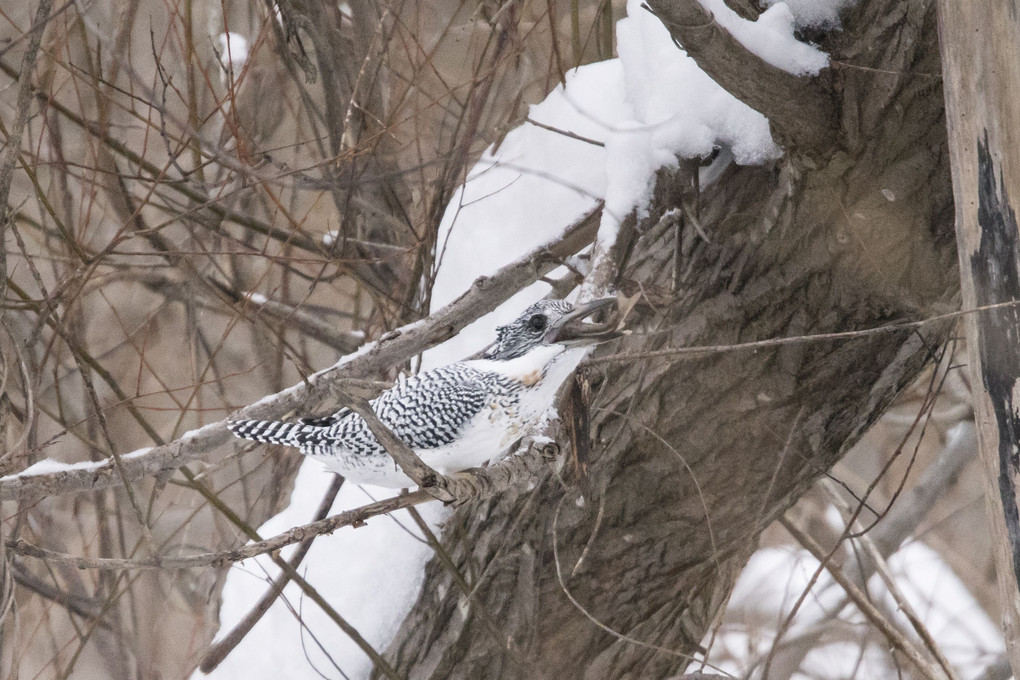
[220, 650]
[484, 295]
[863, 602]
[85, 607]
[427, 479]
[801, 110]
[458, 487]
[699, 350]
[13, 144]
[475, 483]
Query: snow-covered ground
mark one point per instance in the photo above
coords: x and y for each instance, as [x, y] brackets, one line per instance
[644, 108]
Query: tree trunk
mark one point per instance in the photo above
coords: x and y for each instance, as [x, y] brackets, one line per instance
[693, 457]
[982, 67]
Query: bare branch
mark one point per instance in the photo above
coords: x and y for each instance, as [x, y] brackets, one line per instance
[481, 482]
[219, 651]
[410, 464]
[895, 637]
[13, 144]
[485, 294]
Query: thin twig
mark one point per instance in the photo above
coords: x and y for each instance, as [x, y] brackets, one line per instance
[896, 638]
[14, 134]
[488, 481]
[591, 617]
[794, 340]
[407, 460]
[503, 643]
[565, 133]
[882, 568]
[219, 650]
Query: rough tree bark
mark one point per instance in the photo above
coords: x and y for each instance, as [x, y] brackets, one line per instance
[693, 458]
[982, 69]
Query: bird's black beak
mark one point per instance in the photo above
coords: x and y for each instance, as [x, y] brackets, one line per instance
[571, 328]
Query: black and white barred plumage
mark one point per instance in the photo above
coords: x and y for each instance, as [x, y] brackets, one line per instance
[455, 416]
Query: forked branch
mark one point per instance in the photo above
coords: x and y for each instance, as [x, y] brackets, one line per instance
[800, 109]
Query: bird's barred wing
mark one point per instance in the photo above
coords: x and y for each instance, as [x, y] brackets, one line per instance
[431, 409]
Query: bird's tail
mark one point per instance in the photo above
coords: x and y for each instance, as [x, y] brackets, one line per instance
[271, 431]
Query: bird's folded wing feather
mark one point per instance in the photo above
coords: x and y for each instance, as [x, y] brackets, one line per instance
[432, 409]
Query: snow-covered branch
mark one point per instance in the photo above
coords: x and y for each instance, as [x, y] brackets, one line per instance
[484, 295]
[469, 484]
[799, 108]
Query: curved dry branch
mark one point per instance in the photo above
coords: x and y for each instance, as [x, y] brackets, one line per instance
[800, 109]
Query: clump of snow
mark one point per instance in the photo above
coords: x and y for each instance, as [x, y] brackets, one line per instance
[814, 13]
[642, 110]
[45, 466]
[232, 49]
[771, 37]
[255, 298]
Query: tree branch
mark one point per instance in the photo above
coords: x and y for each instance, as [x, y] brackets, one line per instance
[410, 464]
[896, 639]
[800, 109]
[218, 651]
[484, 295]
[24, 78]
[476, 483]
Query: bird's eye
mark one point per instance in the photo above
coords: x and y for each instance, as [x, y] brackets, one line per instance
[537, 323]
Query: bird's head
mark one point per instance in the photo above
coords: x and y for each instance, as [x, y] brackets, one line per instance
[550, 322]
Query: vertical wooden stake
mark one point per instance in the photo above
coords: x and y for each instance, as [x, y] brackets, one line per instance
[980, 44]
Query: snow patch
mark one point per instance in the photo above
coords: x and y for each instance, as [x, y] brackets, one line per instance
[45, 466]
[232, 50]
[370, 575]
[774, 578]
[771, 37]
[814, 13]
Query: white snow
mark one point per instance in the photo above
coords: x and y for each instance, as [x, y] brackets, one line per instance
[43, 467]
[643, 109]
[647, 107]
[370, 575]
[771, 37]
[48, 466]
[775, 577]
[814, 13]
[232, 49]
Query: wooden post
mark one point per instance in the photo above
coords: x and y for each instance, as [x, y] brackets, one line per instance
[980, 44]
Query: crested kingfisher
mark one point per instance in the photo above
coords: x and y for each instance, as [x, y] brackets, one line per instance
[457, 416]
